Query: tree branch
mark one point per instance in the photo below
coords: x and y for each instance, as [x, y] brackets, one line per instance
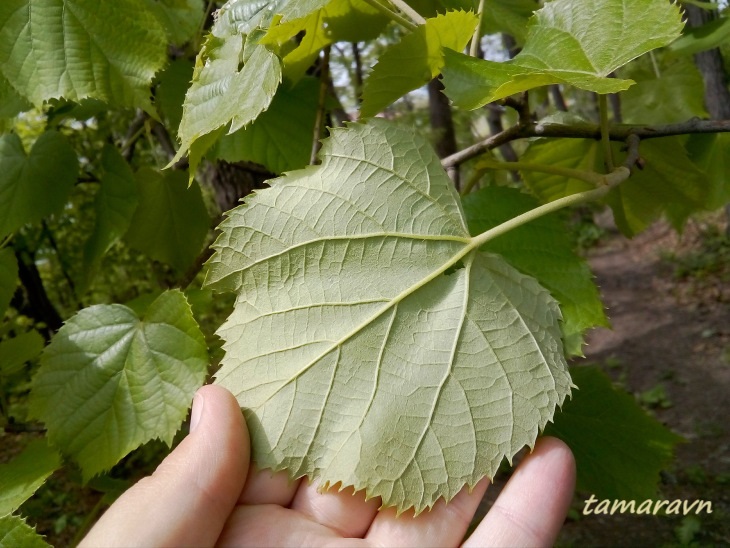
[585, 131]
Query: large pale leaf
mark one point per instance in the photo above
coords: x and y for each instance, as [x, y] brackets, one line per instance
[415, 60]
[22, 476]
[619, 449]
[281, 138]
[231, 85]
[371, 342]
[114, 204]
[81, 48]
[8, 278]
[541, 249]
[170, 222]
[111, 380]
[37, 184]
[14, 532]
[569, 42]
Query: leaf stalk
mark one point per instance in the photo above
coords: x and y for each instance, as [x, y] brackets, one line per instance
[398, 18]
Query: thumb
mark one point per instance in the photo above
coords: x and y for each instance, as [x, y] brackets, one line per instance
[191, 494]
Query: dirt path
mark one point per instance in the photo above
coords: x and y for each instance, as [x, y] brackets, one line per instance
[673, 339]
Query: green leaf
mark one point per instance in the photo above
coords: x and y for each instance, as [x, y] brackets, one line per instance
[676, 95]
[708, 36]
[8, 278]
[15, 533]
[81, 48]
[669, 183]
[568, 42]
[581, 154]
[114, 205]
[711, 153]
[49, 171]
[170, 223]
[22, 476]
[281, 138]
[15, 352]
[173, 85]
[230, 85]
[415, 60]
[619, 449]
[11, 104]
[543, 250]
[111, 380]
[371, 343]
[181, 19]
[509, 16]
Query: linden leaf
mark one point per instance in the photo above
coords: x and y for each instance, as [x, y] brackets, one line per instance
[570, 42]
[111, 380]
[371, 343]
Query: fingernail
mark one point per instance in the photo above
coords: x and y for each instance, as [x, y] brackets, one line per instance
[197, 412]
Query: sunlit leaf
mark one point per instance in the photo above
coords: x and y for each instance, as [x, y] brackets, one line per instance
[371, 342]
[16, 533]
[111, 380]
[618, 448]
[415, 60]
[81, 48]
[568, 42]
[49, 171]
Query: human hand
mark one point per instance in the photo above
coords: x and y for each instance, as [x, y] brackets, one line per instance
[203, 494]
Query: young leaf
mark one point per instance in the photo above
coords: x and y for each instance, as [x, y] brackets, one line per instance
[8, 278]
[619, 449]
[22, 476]
[570, 42]
[280, 138]
[708, 36]
[230, 86]
[81, 48]
[170, 222]
[34, 185]
[415, 60]
[115, 203]
[15, 532]
[371, 343]
[15, 352]
[543, 250]
[111, 380]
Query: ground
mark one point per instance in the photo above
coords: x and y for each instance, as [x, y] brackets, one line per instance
[670, 345]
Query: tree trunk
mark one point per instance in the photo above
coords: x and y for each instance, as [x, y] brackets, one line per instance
[710, 64]
[443, 125]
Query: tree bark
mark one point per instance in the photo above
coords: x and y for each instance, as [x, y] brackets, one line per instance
[443, 125]
[710, 65]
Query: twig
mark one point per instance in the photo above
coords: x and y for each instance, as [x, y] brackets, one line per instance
[397, 17]
[605, 141]
[416, 17]
[586, 131]
[474, 46]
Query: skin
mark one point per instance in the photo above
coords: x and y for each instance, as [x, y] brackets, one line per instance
[206, 493]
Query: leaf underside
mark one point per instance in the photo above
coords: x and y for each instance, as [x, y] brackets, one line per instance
[371, 344]
[568, 42]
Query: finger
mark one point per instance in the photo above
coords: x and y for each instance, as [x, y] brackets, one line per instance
[444, 525]
[346, 511]
[191, 494]
[532, 507]
[267, 487]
